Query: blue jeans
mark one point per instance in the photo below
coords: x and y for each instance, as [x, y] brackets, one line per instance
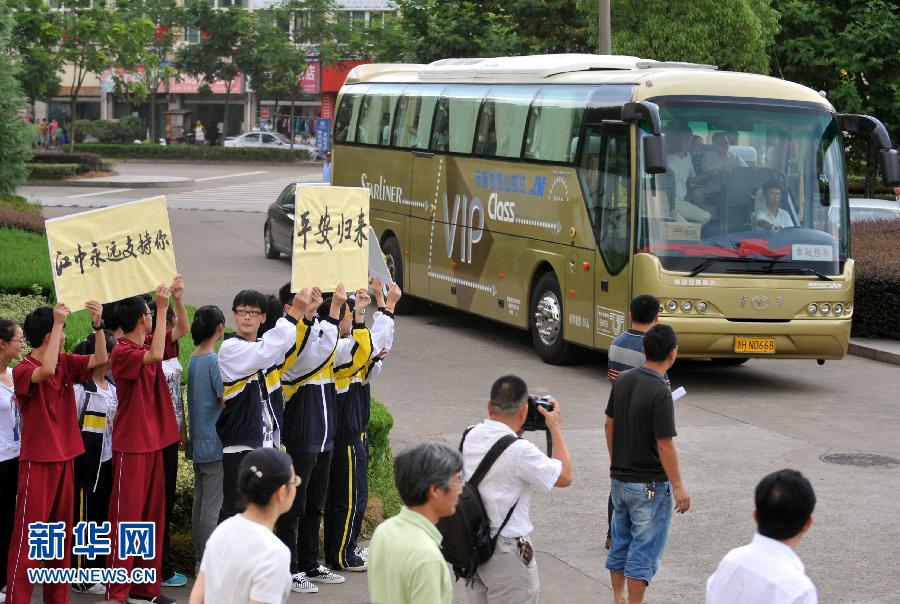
[640, 528]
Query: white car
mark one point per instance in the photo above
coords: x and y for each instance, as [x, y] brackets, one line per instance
[269, 140]
[874, 209]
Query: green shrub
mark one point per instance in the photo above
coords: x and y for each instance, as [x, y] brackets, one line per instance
[24, 263]
[124, 130]
[51, 171]
[17, 212]
[192, 152]
[877, 278]
[87, 162]
[381, 461]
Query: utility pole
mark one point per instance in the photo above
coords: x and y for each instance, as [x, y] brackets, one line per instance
[605, 29]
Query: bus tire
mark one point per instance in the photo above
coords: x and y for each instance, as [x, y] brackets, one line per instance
[394, 258]
[729, 361]
[268, 245]
[547, 322]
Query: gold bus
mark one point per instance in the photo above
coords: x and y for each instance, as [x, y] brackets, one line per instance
[545, 191]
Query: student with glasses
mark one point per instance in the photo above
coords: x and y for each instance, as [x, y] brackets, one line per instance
[244, 561]
[11, 342]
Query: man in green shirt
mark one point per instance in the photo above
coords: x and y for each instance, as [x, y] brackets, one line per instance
[405, 561]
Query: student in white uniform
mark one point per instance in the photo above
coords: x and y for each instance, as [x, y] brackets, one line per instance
[244, 561]
[11, 340]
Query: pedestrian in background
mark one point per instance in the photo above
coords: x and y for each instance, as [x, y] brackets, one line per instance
[646, 480]
[768, 569]
[199, 134]
[406, 565]
[326, 168]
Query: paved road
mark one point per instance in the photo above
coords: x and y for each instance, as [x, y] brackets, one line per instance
[734, 426]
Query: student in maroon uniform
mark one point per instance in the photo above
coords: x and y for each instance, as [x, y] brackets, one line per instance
[145, 425]
[51, 440]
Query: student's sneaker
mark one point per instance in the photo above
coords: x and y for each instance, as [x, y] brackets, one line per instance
[150, 600]
[300, 584]
[3, 595]
[324, 575]
[97, 589]
[362, 552]
[355, 565]
[176, 580]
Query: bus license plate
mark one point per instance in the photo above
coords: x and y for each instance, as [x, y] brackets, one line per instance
[755, 345]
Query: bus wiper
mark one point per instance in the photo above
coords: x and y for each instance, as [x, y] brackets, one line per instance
[793, 270]
[710, 261]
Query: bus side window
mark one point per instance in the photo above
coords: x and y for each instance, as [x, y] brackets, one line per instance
[373, 126]
[343, 117]
[501, 123]
[616, 201]
[440, 136]
[554, 120]
[464, 104]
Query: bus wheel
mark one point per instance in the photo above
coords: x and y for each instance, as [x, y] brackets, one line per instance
[547, 322]
[393, 257]
[729, 361]
[269, 245]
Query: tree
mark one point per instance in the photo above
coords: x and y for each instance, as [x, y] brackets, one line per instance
[148, 52]
[217, 56]
[92, 37]
[734, 35]
[35, 33]
[14, 131]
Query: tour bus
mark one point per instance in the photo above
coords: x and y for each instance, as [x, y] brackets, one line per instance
[545, 191]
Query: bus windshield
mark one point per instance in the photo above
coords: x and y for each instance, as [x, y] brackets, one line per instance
[749, 189]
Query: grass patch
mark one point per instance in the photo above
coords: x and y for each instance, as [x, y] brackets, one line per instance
[19, 204]
[24, 263]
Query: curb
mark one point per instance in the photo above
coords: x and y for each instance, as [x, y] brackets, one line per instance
[118, 184]
[875, 354]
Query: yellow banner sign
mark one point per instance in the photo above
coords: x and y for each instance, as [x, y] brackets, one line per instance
[331, 237]
[111, 253]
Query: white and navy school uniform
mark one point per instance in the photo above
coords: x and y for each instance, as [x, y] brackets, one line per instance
[10, 439]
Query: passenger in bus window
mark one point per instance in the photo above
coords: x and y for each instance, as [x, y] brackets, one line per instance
[719, 160]
[442, 138]
[385, 129]
[681, 171]
[772, 217]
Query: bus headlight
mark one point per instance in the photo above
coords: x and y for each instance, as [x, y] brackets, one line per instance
[826, 308]
[702, 306]
[838, 309]
[812, 308]
[671, 305]
[687, 306]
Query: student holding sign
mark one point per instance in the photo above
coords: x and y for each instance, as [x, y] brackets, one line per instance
[51, 440]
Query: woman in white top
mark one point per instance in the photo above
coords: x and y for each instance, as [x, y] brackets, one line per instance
[10, 350]
[244, 562]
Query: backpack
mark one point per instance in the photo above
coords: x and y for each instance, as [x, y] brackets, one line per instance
[467, 542]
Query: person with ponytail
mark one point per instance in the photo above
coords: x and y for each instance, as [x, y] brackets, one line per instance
[244, 562]
[204, 449]
[11, 341]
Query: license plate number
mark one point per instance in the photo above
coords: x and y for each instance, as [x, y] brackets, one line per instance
[755, 345]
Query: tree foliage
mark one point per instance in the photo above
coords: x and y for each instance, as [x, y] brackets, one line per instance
[14, 131]
[35, 32]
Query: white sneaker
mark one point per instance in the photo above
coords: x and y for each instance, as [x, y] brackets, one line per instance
[362, 552]
[301, 585]
[97, 589]
[324, 575]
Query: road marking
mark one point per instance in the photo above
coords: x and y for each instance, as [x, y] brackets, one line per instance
[97, 194]
[229, 176]
[262, 192]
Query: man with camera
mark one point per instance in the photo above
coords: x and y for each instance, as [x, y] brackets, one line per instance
[510, 575]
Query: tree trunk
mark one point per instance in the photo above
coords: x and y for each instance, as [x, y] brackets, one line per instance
[153, 94]
[291, 122]
[225, 113]
[275, 116]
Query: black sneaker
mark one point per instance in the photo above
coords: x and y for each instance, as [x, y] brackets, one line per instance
[323, 575]
[150, 600]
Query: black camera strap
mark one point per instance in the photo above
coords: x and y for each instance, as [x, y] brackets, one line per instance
[487, 461]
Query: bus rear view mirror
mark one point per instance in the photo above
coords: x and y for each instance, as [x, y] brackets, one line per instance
[655, 153]
[870, 126]
[890, 167]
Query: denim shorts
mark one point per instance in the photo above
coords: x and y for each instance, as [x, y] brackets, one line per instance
[640, 528]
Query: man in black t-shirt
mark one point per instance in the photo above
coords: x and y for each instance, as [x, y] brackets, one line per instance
[640, 426]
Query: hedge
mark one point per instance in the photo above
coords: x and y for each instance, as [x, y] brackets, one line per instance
[876, 305]
[87, 162]
[17, 212]
[124, 130]
[193, 152]
[51, 171]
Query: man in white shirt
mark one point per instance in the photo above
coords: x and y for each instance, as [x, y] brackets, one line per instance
[681, 166]
[768, 570]
[511, 573]
[772, 218]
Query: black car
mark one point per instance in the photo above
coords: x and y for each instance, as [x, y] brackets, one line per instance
[279, 229]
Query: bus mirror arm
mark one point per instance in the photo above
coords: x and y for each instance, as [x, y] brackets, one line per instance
[655, 142]
[868, 125]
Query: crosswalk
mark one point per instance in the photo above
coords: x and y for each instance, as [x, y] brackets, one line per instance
[257, 192]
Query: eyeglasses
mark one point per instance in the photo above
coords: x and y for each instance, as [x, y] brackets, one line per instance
[19, 340]
[458, 484]
[247, 313]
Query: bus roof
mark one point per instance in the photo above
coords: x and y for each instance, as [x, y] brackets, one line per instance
[650, 78]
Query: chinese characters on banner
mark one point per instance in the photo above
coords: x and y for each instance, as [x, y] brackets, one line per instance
[111, 253]
[331, 237]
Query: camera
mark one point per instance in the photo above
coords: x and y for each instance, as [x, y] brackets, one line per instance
[534, 420]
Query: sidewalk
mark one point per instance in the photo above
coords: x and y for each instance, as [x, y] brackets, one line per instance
[877, 349]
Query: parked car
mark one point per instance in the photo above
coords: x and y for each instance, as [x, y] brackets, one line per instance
[874, 209]
[270, 140]
[279, 228]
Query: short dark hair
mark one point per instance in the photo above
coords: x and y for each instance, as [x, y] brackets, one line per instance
[771, 184]
[129, 311]
[285, 295]
[659, 342]
[325, 307]
[89, 343]
[7, 329]
[38, 324]
[263, 471]
[170, 313]
[206, 320]
[644, 308]
[251, 298]
[784, 503]
[274, 311]
[109, 316]
[419, 468]
[508, 394]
